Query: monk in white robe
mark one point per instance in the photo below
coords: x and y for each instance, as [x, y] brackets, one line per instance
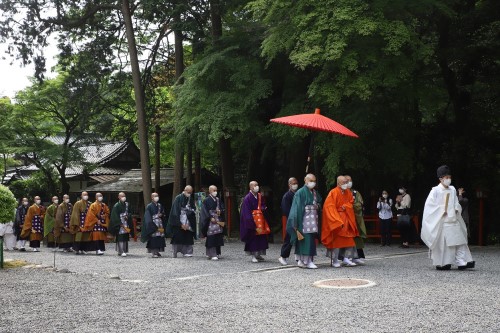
[443, 229]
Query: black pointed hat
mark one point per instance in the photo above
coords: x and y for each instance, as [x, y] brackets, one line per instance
[443, 170]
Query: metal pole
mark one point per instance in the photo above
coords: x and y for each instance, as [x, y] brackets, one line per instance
[1, 252]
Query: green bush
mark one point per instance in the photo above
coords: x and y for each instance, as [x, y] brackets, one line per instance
[7, 205]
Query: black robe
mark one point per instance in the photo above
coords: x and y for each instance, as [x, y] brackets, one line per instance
[18, 223]
[148, 227]
[211, 204]
[179, 235]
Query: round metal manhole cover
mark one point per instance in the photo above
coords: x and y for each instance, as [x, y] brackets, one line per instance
[344, 283]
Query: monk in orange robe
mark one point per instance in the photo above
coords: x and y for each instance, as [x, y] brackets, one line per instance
[97, 222]
[339, 223]
[33, 224]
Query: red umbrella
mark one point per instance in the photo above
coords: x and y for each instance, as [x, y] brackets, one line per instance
[316, 122]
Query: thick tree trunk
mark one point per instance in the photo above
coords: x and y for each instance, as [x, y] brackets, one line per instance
[224, 144]
[179, 146]
[189, 164]
[197, 171]
[139, 102]
[157, 159]
[215, 17]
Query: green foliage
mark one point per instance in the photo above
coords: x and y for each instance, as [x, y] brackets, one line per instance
[221, 94]
[37, 185]
[7, 205]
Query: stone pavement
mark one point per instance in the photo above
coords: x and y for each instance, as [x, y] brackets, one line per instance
[139, 293]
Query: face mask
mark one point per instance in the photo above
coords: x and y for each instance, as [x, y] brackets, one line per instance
[123, 199]
[294, 187]
[344, 186]
[66, 200]
[85, 197]
[99, 198]
[187, 195]
[311, 185]
[401, 191]
[447, 182]
[25, 203]
[256, 189]
[384, 196]
[38, 201]
[349, 184]
[56, 201]
[214, 194]
[156, 199]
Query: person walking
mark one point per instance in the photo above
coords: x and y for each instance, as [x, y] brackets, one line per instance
[286, 204]
[443, 228]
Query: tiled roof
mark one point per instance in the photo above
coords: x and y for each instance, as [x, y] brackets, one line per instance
[131, 181]
[78, 170]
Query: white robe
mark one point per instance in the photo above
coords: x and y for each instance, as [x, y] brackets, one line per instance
[445, 235]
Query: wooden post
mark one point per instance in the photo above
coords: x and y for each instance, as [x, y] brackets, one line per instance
[481, 220]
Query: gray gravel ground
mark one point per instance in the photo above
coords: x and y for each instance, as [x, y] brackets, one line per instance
[140, 294]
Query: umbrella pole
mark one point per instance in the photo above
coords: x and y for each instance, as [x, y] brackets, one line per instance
[311, 145]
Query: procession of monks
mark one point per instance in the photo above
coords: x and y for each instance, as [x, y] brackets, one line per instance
[337, 224]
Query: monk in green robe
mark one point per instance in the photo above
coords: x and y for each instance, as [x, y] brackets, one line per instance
[61, 225]
[360, 222]
[121, 224]
[303, 222]
[48, 223]
[77, 222]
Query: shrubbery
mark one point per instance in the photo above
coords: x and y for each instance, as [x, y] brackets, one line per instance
[7, 205]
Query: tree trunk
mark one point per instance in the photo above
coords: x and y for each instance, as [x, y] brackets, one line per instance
[224, 143]
[189, 164]
[197, 170]
[157, 159]
[139, 103]
[215, 17]
[179, 148]
[64, 182]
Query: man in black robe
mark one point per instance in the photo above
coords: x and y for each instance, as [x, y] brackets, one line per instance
[182, 222]
[212, 223]
[21, 212]
[153, 227]
[286, 204]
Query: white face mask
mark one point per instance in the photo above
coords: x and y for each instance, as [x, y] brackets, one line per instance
[123, 199]
[256, 189]
[99, 199]
[187, 194]
[349, 185]
[446, 181]
[294, 187]
[311, 185]
[401, 191]
[25, 203]
[384, 196]
[344, 186]
[85, 197]
[66, 200]
[156, 199]
[214, 194]
[38, 201]
[56, 201]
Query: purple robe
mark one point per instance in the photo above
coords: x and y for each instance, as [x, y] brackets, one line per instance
[253, 243]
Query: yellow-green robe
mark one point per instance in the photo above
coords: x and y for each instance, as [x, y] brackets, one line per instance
[360, 222]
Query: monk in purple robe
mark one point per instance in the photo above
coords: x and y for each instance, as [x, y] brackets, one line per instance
[255, 244]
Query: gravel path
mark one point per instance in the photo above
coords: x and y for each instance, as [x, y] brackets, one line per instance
[139, 294]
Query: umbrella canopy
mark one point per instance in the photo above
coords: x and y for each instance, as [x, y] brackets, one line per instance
[316, 122]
